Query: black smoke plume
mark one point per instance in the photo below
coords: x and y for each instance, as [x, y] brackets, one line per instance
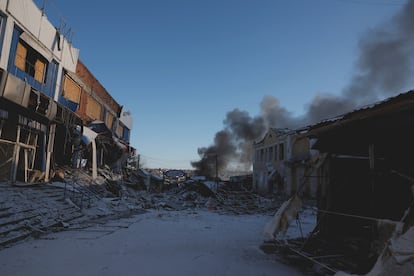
[383, 68]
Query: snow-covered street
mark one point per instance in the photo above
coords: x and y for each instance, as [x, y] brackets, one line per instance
[154, 243]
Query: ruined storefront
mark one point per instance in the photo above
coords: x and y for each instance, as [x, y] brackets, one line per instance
[102, 115]
[47, 97]
[33, 55]
[367, 178]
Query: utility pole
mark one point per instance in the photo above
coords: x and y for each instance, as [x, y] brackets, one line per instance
[216, 157]
[138, 159]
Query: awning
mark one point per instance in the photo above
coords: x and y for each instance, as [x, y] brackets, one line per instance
[88, 135]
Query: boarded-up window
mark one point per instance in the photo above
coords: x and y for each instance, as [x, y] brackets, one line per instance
[119, 130]
[40, 68]
[20, 60]
[71, 90]
[93, 109]
[109, 120]
[30, 61]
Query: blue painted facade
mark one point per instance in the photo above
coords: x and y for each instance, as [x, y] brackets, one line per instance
[72, 106]
[126, 134]
[35, 61]
[48, 87]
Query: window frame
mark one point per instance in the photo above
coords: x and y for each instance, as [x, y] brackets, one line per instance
[282, 151]
[33, 60]
[68, 90]
[93, 107]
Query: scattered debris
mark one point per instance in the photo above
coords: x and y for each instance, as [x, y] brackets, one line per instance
[74, 199]
[284, 215]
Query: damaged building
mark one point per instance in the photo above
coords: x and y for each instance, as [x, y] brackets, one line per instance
[46, 102]
[365, 193]
[108, 124]
[367, 185]
[33, 56]
[283, 163]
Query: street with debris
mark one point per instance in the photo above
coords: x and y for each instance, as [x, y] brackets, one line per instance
[123, 227]
[114, 175]
[191, 242]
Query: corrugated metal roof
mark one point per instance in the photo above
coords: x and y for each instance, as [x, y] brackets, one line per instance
[403, 100]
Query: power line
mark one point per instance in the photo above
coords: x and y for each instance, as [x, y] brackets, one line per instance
[374, 3]
[156, 162]
[165, 159]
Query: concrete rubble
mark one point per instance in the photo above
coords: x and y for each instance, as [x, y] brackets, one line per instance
[74, 200]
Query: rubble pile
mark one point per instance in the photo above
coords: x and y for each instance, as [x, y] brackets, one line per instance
[143, 190]
[31, 210]
[198, 195]
[73, 199]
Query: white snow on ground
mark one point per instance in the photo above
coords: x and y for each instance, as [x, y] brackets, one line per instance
[154, 243]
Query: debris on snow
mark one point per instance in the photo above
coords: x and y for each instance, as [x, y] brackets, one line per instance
[284, 215]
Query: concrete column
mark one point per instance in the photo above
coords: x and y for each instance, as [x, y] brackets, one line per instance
[50, 145]
[16, 155]
[94, 163]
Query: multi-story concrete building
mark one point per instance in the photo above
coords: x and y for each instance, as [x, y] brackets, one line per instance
[44, 99]
[33, 55]
[89, 99]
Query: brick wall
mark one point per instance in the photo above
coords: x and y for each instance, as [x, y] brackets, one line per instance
[96, 87]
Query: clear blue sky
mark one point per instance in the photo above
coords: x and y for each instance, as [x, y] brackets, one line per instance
[180, 65]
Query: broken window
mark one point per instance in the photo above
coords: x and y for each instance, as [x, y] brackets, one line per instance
[71, 90]
[19, 147]
[30, 61]
[93, 109]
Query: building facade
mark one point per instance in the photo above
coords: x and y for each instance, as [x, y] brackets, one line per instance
[283, 164]
[85, 95]
[33, 55]
[44, 101]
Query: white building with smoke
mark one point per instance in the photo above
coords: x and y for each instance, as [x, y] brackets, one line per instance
[283, 163]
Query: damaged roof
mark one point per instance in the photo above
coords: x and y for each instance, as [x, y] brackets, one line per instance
[276, 131]
[386, 124]
[400, 104]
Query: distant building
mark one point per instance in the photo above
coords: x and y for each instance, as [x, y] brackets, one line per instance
[283, 163]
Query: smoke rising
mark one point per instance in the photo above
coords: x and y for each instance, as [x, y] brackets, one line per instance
[383, 68]
[233, 145]
[385, 62]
